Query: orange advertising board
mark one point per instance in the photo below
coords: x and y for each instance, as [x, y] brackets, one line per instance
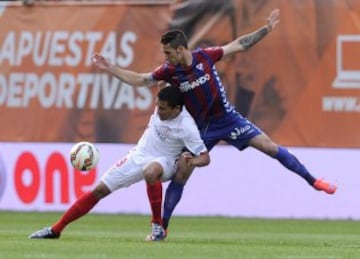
[50, 90]
[301, 84]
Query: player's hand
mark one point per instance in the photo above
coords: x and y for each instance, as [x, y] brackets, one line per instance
[273, 19]
[100, 61]
[188, 157]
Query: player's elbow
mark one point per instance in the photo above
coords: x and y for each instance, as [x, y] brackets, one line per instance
[138, 80]
[232, 48]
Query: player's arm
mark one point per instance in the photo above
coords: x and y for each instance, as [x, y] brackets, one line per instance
[247, 41]
[128, 76]
[199, 155]
[203, 159]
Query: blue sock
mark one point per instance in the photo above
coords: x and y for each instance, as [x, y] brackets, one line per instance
[172, 197]
[292, 163]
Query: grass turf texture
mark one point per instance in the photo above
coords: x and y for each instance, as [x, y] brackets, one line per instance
[121, 236]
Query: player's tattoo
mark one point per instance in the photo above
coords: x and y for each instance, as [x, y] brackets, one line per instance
[250, 39]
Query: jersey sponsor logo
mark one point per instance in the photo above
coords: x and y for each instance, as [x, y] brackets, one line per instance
[187, 86]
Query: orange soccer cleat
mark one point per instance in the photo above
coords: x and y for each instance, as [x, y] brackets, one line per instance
[321, 185]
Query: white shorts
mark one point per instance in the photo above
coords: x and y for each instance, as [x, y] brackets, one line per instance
[129, 170]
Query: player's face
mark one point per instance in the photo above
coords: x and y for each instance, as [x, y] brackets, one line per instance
[166, 112]
[173, 56]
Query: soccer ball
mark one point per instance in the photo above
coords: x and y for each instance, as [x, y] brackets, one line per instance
[84, 156]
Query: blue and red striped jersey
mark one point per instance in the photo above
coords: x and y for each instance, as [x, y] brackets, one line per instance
[205, 96]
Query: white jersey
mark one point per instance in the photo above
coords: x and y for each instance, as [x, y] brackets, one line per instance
[162, 142]
[169, 137]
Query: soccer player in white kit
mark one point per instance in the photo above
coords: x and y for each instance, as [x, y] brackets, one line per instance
[170, 130]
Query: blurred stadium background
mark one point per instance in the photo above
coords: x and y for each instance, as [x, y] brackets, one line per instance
[301, 85]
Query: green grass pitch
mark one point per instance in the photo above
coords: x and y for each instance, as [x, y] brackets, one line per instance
[121, 236]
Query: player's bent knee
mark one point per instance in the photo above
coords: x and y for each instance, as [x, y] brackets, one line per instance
[153, 172]
[183, 173]
[101, 190]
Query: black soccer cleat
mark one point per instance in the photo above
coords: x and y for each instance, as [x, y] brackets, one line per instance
[45, 233]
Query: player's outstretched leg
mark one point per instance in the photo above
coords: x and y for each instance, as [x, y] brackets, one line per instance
[172, 197]
[77, 210]
[288, 160]
[175, 190]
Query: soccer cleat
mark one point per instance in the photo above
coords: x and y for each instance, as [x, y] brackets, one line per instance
[45, 233]
[157, 233]
[321, 185]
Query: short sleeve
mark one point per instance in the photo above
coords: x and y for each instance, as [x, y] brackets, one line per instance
[215, 53]
[192, 138]
[159, 73]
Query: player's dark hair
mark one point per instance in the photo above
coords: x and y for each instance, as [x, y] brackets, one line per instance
[172, 95]
[175, 38]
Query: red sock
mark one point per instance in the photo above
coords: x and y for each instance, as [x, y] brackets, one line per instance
[77, 210]
[154, 192]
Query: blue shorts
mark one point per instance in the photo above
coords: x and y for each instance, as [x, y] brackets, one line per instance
[233, 129]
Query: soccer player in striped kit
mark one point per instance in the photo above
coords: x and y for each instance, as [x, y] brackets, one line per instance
[195, 74]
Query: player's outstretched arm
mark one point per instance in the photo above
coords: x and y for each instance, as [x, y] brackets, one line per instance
[130, 77]
[246, 41]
